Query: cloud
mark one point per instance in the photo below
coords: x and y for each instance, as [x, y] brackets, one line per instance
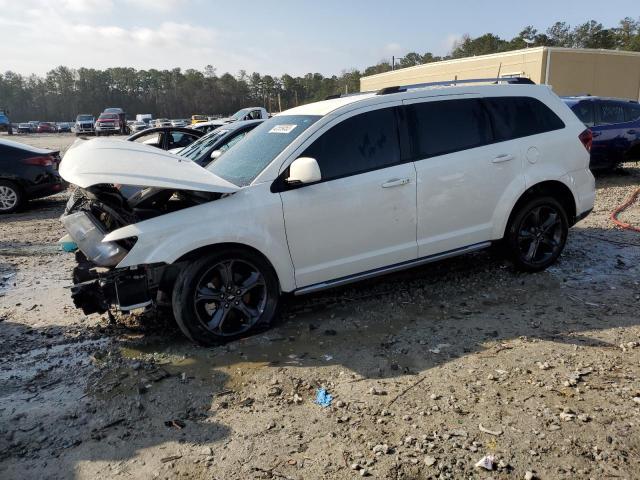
[392, 49]
[449, 42]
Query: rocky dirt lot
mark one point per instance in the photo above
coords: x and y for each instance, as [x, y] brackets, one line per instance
[430, 371]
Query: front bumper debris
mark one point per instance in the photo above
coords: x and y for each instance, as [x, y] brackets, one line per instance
[126, 289]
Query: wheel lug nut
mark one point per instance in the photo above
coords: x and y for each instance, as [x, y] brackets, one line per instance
[237, 303]
[226, 305]
[238, 292]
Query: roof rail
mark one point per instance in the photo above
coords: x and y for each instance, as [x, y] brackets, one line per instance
[404, 88]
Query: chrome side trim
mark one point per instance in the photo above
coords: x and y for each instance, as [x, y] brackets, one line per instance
[390, 269]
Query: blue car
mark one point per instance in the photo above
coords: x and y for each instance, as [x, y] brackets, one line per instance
[615, 124]
[5, 124]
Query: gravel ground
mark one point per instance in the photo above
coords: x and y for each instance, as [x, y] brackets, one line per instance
[430, 370]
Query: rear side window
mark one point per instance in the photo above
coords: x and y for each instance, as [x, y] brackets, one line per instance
[631, 112]
[358, 144]
[584, 111]
[611, 113]
[443, 127]
[517, 117]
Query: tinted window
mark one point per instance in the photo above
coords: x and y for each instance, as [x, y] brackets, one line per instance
[358, 144]
[242, 164]
[584, 111]
[631, 112]
[611, 112]
[448, 126]
[516, 117]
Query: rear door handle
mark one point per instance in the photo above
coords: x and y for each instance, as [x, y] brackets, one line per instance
[632, 132]
[505, 157]
[396, 182]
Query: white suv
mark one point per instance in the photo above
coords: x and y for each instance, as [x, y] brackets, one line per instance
[325, 194]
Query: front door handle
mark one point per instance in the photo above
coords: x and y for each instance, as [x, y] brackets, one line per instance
[505, 157]
[632, 132]
[396, 182]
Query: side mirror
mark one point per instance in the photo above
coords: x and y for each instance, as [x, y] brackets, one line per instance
[215, 154]
[304, 170]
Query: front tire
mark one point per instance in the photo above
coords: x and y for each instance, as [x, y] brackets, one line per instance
[225, 295]
[536, 234]
[10, 197]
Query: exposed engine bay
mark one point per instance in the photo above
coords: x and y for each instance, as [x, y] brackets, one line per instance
[93, 212]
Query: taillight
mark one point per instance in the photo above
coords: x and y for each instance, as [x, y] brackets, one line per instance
[39, 161]
[586, 138]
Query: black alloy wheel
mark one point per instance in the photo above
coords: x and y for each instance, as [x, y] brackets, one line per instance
[224, 296]
[537, 234]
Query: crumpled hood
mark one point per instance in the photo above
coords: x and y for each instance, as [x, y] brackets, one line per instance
[103, 160]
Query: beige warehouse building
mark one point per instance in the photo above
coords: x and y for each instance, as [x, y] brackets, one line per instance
[569, 71]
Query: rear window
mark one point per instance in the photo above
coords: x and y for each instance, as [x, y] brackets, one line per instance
[611, 112]
[631, 112]
[443, 127]
[517, 117]
[584, 111]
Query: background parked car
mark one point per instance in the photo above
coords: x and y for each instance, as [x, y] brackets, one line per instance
[84, 124]
[112, 120]
[64, 127]
[5, 123]
[166, 138]
[206, 127]
[107, 124]
[198, 118]
[179, 122]
[26, 173]
[47, 127]
[615, 127]
[34, 125]
[138, 126]
[24, 128]
[215, 143]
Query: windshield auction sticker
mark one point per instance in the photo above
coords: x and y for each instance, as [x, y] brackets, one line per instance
[283, 128]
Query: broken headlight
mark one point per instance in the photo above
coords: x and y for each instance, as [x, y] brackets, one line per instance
[87, 234]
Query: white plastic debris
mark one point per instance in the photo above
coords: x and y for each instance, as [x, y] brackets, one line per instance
[490, 432]
[487, 462]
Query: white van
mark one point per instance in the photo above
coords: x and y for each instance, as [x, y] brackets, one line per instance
[325, 194]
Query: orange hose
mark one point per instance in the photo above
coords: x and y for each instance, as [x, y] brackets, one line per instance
[623, 207]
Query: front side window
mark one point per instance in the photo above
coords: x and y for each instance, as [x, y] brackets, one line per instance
[242, 164]
[517, 117]
[443, 127]
[611, 113]
[358, 144]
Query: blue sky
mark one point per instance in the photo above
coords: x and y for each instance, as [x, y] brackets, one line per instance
[269, 37]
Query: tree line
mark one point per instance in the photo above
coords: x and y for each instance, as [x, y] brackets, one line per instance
[64, 92]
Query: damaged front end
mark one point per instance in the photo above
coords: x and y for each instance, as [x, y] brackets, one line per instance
[98, 284]
[164, 182]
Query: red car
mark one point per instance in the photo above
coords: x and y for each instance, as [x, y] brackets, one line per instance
[46, 127]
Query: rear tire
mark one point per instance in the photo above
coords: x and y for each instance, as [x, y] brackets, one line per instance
[11, 197]
[225, 295]
[536, 234]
